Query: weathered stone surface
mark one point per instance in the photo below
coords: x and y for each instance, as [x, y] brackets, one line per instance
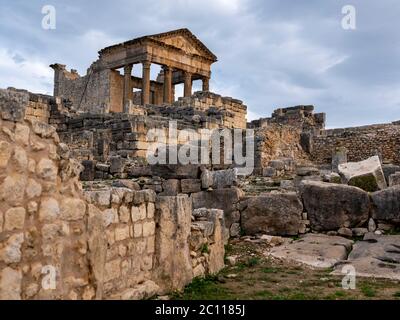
[367, 174]
[145, 290]
[275, 214]
[33, 189]
[47, 170]
[332, 206]
[394, 179]
[377, 256]
[190, 185]
[88, 171]
[386, 204]
[13, 189]
[172, 239]
[72, 209]
[10, 284]
[49, 209]
[13, 104]
[171, 187]
[14, 218]
[22, 134]
[389, 169]
[315, 250]
[224, 199]
[218, 179]
[5, 153]
[11, 253]
[306, 171]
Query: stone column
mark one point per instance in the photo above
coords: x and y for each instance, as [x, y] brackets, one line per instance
[146, 82]
[206, 84]
[167, 84]
[128, 93]
[188, 84]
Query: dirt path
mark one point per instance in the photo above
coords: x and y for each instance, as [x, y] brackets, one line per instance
[255, 276]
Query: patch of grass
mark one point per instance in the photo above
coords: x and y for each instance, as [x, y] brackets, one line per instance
[205, 249]
[393, 232]
[368, 291]
[203, 289]
[396, 294]
[253, 261]
[264, 294]
[228, 249]
[270, 270]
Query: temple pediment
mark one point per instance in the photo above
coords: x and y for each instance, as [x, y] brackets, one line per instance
[184, 40]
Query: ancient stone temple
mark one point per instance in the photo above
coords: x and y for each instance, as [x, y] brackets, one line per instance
[181, 55]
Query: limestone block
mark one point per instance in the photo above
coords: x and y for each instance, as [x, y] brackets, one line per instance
[112, 270]
[14, 218]
[99, 197]
[142, 211]
[367, 174]
[10, 284]
[5, 153]
[386, 204]
[49, 209]
[315, 250]
[174, 267]
[150, 210]
[190, 185]
[332, 206]
[171, 187]
[109, 216]
[150, 245]
[274, 214]
[11, 253]
[124, 214]
[149, 229]
[144, 290]
[394, 179]
[12, 189]
[135, 214]
[46, 170]
[121, 233]
[22, 134]
[137, 230]
[375, 257]
[33, 189]
[1, 221]
[72, 209]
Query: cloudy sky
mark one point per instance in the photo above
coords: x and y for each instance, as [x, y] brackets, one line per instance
[272, 53]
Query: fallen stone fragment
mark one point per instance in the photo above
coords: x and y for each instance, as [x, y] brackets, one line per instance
[367, 174]
[315, 250]
[377, 256]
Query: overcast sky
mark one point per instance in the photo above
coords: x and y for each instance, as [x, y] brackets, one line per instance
[272, 53]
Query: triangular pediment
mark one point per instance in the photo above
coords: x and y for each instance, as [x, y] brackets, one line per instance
[184, 40]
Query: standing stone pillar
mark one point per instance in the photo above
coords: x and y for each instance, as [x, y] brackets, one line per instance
[206, 84]
[188, 84]
[146, 82]
[128, 91]
[167, 84]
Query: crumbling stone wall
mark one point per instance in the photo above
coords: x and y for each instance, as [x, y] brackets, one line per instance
[233, 110]
[360, 143]
[92, 244]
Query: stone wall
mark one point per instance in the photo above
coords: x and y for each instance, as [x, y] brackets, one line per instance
[360, 143]
[233, 110]
[59, 242]
[90, 93]
[301, 117]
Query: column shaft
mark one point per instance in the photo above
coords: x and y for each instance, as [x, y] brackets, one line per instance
[167, 84]
[188, 84]
[146, 83]
[128, 93]
[206, 84]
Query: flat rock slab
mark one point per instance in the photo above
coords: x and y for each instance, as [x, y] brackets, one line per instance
[315, 250]
[377, 256]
